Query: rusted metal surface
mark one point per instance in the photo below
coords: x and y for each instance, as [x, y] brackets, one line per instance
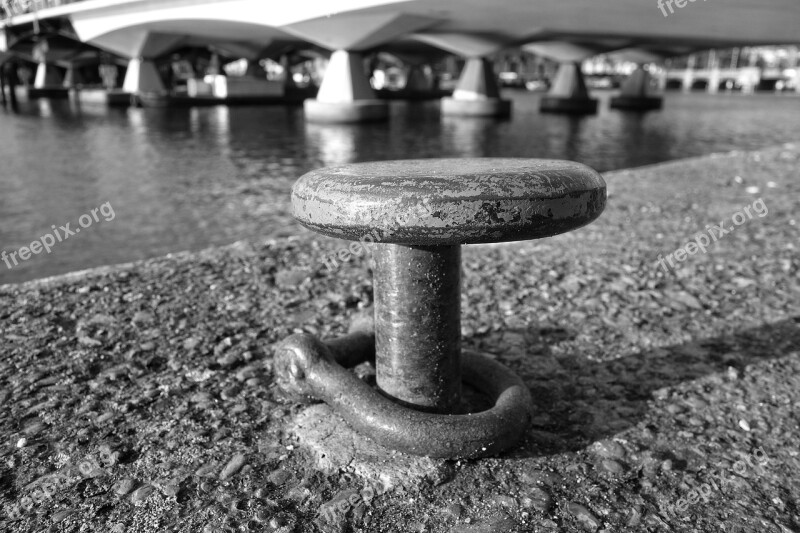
[449, 201]
[418, 325]
[306, 369]
[423, 211]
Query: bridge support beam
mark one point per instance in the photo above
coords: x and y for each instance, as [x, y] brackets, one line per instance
[635, 94]
[142, 77]
[345, 94]
[477, 93]
[568, 94]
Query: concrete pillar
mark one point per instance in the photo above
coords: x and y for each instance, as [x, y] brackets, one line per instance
[72, 78]
[635, 93]
[417, 80]
[688, 80]
[714, 72]
[345, 94]
[714, 78]
[47, 77]
[214, 68]
[142, 77]
[568, 94]
[69, 78]
[688, 74]
[477, 93]
[47, 81]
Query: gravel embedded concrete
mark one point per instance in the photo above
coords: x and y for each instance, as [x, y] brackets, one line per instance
[138, 397]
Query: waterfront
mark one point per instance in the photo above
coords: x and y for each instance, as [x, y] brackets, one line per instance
[183, 179]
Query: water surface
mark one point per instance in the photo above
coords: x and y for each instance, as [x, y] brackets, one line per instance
[183, 179]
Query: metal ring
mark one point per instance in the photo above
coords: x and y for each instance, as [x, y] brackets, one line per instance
[307, 368]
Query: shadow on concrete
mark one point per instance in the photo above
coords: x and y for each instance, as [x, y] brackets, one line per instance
[576, 403]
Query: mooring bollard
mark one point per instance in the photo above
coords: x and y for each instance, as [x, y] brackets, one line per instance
[424, 210]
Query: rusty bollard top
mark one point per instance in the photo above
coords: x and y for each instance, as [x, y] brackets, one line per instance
[449, 201]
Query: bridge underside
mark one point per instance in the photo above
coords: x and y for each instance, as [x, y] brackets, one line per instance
[470, 27]
[566, 31]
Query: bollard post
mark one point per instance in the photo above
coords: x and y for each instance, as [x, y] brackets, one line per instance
[424, 210]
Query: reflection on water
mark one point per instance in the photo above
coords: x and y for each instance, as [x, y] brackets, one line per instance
[470, 137]
[334, 144]
[187, 178]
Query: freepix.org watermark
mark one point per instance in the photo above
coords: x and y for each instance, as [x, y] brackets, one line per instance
[342, 505]
[46, 242]
[712, 234]
[366, 242]
[664, 4]
[720, 480]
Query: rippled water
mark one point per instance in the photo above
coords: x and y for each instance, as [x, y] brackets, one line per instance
[182, 179]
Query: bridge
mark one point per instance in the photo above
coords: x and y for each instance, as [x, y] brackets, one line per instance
[57, 34]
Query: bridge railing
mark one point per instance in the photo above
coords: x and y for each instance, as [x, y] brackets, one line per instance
[10, 8]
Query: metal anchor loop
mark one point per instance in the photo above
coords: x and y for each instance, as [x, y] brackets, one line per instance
[307, 369]
[423, 211]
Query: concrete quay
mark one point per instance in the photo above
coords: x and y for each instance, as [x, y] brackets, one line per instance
[139, 397]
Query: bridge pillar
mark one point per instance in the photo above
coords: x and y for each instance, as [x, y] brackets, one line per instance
[345, 94]
[417, 81]
[688, 80]
[72, 78]
[47, 81]
[477, 93]
[568, 93]
[142, 77]
[635, 94]
[688, 74]
[47, 77]
[714, 78]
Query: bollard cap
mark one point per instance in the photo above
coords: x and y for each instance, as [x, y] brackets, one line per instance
[434, 202]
